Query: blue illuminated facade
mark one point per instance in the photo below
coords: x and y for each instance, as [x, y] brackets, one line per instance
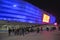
[52, 19]
[21, 11]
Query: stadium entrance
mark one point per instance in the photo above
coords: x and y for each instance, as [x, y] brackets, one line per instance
[4, 25]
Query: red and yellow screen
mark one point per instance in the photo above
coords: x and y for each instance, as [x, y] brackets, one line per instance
[46, 18]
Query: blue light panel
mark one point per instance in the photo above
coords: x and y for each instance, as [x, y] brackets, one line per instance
[52, 19]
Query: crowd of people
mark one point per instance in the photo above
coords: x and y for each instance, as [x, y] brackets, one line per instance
[22, 31]
[25, 30]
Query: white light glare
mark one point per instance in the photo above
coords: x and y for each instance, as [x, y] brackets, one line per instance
[14, 5]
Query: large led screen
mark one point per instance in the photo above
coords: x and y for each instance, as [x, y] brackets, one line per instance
[46, 18]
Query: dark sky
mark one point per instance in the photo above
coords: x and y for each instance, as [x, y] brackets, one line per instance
[51, 6]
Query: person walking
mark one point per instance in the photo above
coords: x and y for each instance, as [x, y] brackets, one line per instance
[9, 31]
[23, 31]
[38, 30]
[47, 29]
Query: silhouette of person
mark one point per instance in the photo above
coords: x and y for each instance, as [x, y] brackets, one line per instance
[9, 31]
[38, 30]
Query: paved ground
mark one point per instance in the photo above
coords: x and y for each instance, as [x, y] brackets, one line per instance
[33, 36]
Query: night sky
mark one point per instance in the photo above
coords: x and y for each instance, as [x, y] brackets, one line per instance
[51, 6]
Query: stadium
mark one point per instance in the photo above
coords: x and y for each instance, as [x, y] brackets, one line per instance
[14, 13]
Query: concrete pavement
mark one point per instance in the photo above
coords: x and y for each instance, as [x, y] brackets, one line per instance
[33, 36]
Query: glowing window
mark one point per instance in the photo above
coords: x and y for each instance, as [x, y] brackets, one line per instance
[46, 18]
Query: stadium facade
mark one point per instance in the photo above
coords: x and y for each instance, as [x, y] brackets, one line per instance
[21, 11]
